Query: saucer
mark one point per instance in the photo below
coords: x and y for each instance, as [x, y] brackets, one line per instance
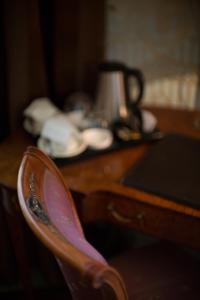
[97, 138]
[50, 149]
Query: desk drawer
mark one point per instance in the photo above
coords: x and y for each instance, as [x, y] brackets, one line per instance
[163, 223]
[150, 219]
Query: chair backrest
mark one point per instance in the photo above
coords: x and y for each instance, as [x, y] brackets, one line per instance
[49, 210]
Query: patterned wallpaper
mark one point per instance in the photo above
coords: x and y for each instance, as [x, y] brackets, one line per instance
[162, 38]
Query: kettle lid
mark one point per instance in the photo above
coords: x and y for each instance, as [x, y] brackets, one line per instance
[111, 66]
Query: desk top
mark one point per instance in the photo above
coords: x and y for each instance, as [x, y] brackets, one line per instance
[105, 171]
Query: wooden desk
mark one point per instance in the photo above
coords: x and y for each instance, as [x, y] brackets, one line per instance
[106, 198]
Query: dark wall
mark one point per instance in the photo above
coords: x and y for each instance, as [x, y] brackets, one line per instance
[4, 124]
[51, 48]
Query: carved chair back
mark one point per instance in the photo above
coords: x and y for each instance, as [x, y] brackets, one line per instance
[49, 210]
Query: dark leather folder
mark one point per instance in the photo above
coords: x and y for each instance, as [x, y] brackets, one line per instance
[171, 168]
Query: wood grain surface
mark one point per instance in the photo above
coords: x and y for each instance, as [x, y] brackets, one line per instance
[100, 177]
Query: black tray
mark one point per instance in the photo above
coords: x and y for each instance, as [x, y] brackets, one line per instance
[116, 145]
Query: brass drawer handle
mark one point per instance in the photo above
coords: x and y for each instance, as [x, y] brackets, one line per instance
[140, 217]
[123, 219]
[116, 215]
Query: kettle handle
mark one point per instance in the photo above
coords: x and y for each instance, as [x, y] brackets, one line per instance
[137, 74]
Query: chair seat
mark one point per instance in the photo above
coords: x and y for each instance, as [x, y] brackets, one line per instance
[159, 272]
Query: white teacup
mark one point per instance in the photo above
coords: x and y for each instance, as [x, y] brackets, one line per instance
[149, 121]
[37, 113]
[60, 138]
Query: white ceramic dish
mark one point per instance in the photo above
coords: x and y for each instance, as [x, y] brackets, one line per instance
[55, 151]
[97, 138]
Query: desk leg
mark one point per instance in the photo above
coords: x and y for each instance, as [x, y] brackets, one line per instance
[16, 232]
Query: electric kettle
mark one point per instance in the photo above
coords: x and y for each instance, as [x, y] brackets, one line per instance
[114, 99]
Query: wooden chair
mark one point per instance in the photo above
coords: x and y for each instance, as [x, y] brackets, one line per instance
[151, 272]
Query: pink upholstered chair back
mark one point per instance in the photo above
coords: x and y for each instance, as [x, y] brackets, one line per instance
[49, 210]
